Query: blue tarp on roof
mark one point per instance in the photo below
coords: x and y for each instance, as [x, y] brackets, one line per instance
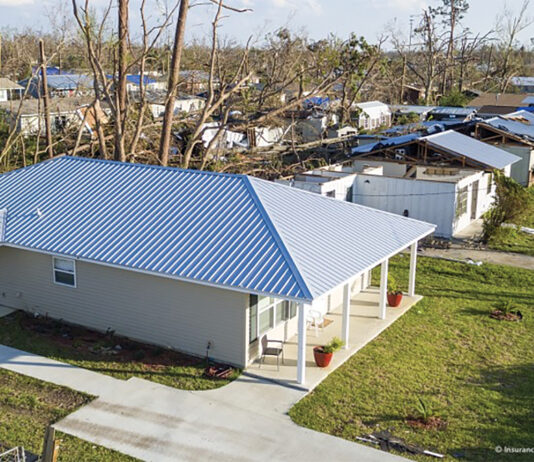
[317, 101]
[136, 79]
[228, 231]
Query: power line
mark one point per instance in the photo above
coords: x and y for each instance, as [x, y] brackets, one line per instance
[418, 194]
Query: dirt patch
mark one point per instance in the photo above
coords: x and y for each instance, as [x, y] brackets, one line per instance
[432, 423]
[92, 345]
[504, 316]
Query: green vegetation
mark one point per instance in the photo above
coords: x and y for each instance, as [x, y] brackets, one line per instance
[335, 345]
[454, 98]
[98, 352]
[476, 372]
[515, 205]
[28, 406]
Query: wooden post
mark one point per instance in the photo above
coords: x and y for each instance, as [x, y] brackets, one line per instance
[48, 128]
[49, 445]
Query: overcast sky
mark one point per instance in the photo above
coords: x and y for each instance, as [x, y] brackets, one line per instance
[317, 17]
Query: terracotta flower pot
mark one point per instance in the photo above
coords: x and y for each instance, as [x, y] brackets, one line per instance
[394, 299]
[322, 359]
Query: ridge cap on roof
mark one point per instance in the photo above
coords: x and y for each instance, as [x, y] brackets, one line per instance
[147, 166]
[295, 269]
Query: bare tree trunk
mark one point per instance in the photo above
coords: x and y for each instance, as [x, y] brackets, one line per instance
[120, 120]
[48, 128]
[174, 76]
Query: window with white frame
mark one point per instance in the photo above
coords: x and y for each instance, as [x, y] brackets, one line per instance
[265, 313]
[64, 271]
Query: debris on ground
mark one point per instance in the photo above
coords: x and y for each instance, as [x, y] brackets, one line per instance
[506, 316]
[389, 442]
[218, 371]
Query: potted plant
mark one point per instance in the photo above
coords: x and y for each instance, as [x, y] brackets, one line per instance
[394, 292]
[323, 354]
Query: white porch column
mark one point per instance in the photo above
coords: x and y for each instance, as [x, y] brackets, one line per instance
[383, 289]
[346, 315]
[301, 361]
[413, 266]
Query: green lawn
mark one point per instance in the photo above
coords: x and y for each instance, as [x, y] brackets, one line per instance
[513, 240]
[96, 352]
[28, 406]
[477, 373]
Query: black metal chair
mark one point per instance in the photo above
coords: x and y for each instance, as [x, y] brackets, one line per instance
[267, 350]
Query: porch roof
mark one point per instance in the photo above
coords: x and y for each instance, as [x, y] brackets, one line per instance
[229, 231]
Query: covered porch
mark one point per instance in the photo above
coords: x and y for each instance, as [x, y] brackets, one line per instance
[358, 320]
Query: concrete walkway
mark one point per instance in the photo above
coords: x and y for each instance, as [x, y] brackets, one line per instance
[244, 421]
[487, 256]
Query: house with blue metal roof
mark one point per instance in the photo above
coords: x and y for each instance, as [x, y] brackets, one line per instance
[186, 259]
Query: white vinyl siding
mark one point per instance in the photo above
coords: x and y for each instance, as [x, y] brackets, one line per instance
[152, 309]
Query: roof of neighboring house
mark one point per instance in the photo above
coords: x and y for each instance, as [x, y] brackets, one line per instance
[136, 79]
[407, 108]
[65, 81]
[522, 116]
[7, 84]
[499, 99]
[522, 81]
[31, 106]
[228, 231]
[465, 146]
[387, 142]
[496, 110]
[456, 111]
[523, 128]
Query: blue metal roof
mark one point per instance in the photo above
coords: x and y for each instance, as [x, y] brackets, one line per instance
[470, 148]
[229, 231]
[528, 100]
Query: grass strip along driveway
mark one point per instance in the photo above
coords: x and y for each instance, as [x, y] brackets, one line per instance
[28, 406]
[474, 373]
[105, 353]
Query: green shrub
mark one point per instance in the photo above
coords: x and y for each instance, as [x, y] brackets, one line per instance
[335, 344]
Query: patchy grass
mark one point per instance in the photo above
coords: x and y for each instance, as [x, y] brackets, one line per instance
[97, 352]
[513, 240]
[28, 406]
[475, 373]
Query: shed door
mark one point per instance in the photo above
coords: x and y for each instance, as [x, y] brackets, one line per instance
[474, 200]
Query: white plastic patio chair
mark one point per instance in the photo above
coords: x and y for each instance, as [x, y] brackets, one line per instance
[315, 318]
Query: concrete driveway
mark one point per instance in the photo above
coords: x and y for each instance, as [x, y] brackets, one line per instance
[244, 421]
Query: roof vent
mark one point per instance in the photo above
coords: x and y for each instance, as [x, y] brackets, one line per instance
[3, 219]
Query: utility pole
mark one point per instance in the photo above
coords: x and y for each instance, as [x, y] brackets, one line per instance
[405, 60]
[46, 102]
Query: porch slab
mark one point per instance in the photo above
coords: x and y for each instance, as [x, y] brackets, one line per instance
[364, 327]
